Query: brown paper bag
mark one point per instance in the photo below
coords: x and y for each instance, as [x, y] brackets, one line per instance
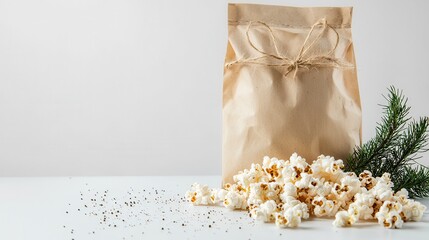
[289, 85]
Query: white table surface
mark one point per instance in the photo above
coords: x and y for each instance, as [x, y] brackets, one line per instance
[75, 208]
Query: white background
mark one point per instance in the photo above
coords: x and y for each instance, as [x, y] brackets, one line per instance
[133, 87]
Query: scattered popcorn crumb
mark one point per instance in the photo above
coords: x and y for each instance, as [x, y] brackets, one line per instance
[287, 192]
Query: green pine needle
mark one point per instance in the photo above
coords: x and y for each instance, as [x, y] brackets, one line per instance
[395, 148]
[415, 180]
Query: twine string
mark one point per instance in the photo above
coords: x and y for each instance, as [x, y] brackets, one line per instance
[324, 59]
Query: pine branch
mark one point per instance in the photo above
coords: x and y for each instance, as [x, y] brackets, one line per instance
[413, 141]
[392, 122]
[395, 148]
[415, 180]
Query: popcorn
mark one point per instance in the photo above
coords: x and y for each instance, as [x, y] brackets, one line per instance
[287, 192]
[351, 183]
[298, 162]
[290, 174]
[324, 207]
[273, 167]
[289, 189]
[265, 212]
[354, 212]
[389, 216]
[253, 175]
[199, 195]
[218, 195]
[304, 181]
[234, 200]
[300, 209]
[411, 210]
[348, 187]
[322, 189]
[237, 188]
[366, 179]
[383, 188]
[343, 219]
[328, 168]
[261, 192]
[294, 167]
[391, 220]
[309, 187]
[363, 204]
[289, 218]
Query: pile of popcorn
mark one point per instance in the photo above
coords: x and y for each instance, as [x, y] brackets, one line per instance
[285, 192]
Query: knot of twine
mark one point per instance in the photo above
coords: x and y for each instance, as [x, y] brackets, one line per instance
[301, 60]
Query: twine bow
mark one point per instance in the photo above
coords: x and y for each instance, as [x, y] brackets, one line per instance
[301, 60]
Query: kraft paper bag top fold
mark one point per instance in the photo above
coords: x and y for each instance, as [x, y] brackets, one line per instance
[290, 85]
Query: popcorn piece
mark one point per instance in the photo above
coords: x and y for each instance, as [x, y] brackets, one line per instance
[389, 216]
[236, 188]
[294, 167]
[383, 188]
[273, 167]
[401, 195]
[323, 189]
[298, 162]
[354, 211]
[351, 184]
[289, 218]
[234, 200]
[324, 207]
[318, 187]
[411, 210]
[265, 211]
[299, 208]
[253, 175]
[218, 195]
[345, 191]
[289, 189]
[364, 202]
[376, 207]
[304, 181]
[199, 195]
[366, 179]
[328, 168]
[392, 220]
[261, 192]
[343, 219]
